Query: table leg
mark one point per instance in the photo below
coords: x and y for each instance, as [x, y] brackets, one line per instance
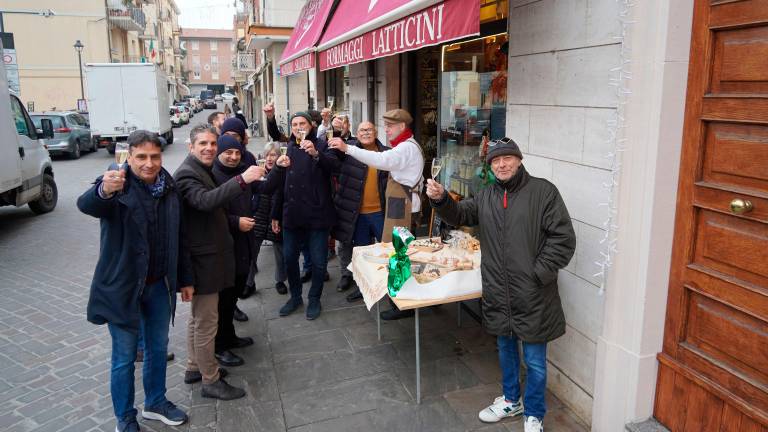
[378, 319]
[458, 314]
[418, 361]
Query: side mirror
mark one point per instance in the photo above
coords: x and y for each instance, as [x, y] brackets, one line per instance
[47, 126]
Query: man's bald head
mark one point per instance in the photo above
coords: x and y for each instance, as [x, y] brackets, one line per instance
[366, 133]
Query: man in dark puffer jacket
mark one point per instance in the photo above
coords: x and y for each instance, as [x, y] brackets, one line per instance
[359, 203]
[526, 236]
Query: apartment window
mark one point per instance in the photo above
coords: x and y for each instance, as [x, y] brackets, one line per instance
[214, 45]
[195, 45]
[214, 67]
[196, 67]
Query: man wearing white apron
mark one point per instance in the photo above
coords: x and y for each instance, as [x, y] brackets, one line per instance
[405, 164]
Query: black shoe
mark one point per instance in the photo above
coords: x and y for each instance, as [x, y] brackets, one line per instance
[395, 314]
[191, 377]
[242, 342]
[228, 358]
[248, 291]
[354, 296]
[140, 356]
[313, 309]
[290, 307]
[306, 277]
[221, 390]
[281, 288]
[239, 315]
[344, 283]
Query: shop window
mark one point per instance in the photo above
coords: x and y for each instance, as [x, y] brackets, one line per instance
[493, 10]
[473, 98]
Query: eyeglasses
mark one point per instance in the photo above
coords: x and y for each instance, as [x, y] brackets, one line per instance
[364, 131]
[504, 140]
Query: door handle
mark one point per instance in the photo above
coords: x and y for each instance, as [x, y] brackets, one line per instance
[741, 206]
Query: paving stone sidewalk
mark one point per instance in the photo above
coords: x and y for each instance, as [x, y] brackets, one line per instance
[332, 374]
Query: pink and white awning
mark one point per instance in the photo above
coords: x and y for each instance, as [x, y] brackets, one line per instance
[299, 54]
[362, 30]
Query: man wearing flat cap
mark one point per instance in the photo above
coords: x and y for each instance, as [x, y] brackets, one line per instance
[405, 164]
[527, 237]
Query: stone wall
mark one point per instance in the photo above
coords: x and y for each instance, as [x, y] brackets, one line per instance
[561, 53]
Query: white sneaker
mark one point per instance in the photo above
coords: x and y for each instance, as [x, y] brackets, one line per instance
[532, 424]
[501, 409]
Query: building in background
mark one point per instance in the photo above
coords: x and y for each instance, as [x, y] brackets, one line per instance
[110, 31]
[208, 59]
[269, 26]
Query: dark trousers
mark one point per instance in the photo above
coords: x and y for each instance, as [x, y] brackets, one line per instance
[225, 335]
[317, 243]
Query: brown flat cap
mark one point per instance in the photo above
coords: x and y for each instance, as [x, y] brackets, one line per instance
[398, 116]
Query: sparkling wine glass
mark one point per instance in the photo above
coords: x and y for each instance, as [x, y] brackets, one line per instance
[121, 154]
[437, 164]
[300, 136]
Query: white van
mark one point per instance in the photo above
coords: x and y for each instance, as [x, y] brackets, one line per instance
[26, 172]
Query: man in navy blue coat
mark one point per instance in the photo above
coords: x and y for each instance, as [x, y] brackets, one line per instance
[143, 263]
[308, 212]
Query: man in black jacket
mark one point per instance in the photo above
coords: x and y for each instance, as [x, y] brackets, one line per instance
[212, 252]
[359, 203]
[526, 236]
[142, 240]
[308, 212]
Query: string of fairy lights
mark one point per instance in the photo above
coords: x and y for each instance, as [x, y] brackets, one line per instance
[620, 76]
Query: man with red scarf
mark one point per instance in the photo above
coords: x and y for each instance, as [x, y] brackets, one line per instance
[405, 164]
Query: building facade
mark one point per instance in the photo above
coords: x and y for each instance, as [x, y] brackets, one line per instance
[208, 60]
[656, 145]
[111, 31]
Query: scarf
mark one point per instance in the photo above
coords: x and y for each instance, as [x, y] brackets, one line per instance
[402, 137]
[156, 189]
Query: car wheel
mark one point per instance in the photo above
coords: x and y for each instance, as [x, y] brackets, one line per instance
[94, 146]
[75, 154]
[170, 137]
[49, 195]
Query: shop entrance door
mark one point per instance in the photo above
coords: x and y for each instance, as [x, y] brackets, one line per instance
[713, 370]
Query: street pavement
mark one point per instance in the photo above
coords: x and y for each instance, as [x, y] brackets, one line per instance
[331, 374]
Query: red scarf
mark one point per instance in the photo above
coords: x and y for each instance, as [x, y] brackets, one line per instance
[402, 137]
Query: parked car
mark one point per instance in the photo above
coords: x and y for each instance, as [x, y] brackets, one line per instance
[183, 114]
[227, 96]
[26, 171]
[186, 108]
[72, 133]
[175, 114]
[196, 105]
[218, 98]
[209, 104]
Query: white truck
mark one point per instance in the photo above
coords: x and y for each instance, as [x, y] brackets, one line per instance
[26, 172]
[124, 97]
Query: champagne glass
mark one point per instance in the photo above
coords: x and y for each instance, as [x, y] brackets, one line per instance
[329, 134]
[121, 154]
[437, 164]
[301, 134]
[283, 150]
[262, 163]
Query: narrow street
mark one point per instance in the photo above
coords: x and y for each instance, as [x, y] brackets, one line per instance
[331, 374]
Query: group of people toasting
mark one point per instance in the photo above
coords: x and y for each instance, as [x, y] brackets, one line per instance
[198, 232]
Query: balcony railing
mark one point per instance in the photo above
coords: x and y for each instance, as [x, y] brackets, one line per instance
[127, 18]
[246, 62]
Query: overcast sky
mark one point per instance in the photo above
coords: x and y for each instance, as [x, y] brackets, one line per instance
[214, 14]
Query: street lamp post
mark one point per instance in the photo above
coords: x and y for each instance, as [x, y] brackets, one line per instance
[79, 48]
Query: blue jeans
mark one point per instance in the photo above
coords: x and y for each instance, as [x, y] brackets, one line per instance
[536, 382]
[307, 266]
[316, 241]
[367, 227]
[155, 318]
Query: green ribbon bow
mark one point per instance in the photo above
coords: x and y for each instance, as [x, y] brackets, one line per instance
[399, 263]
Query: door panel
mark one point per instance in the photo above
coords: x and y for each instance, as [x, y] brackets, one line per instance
[713, 371]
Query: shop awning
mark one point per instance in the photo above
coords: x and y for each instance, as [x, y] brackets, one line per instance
[299, 54]
[362, 30]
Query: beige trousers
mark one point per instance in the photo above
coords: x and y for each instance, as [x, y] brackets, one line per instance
[201, 337]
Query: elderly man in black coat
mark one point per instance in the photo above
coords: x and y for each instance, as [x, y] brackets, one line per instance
[527, 236]
[142, 264]
[212, 253]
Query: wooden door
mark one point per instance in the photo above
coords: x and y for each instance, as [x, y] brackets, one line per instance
[713, 369]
